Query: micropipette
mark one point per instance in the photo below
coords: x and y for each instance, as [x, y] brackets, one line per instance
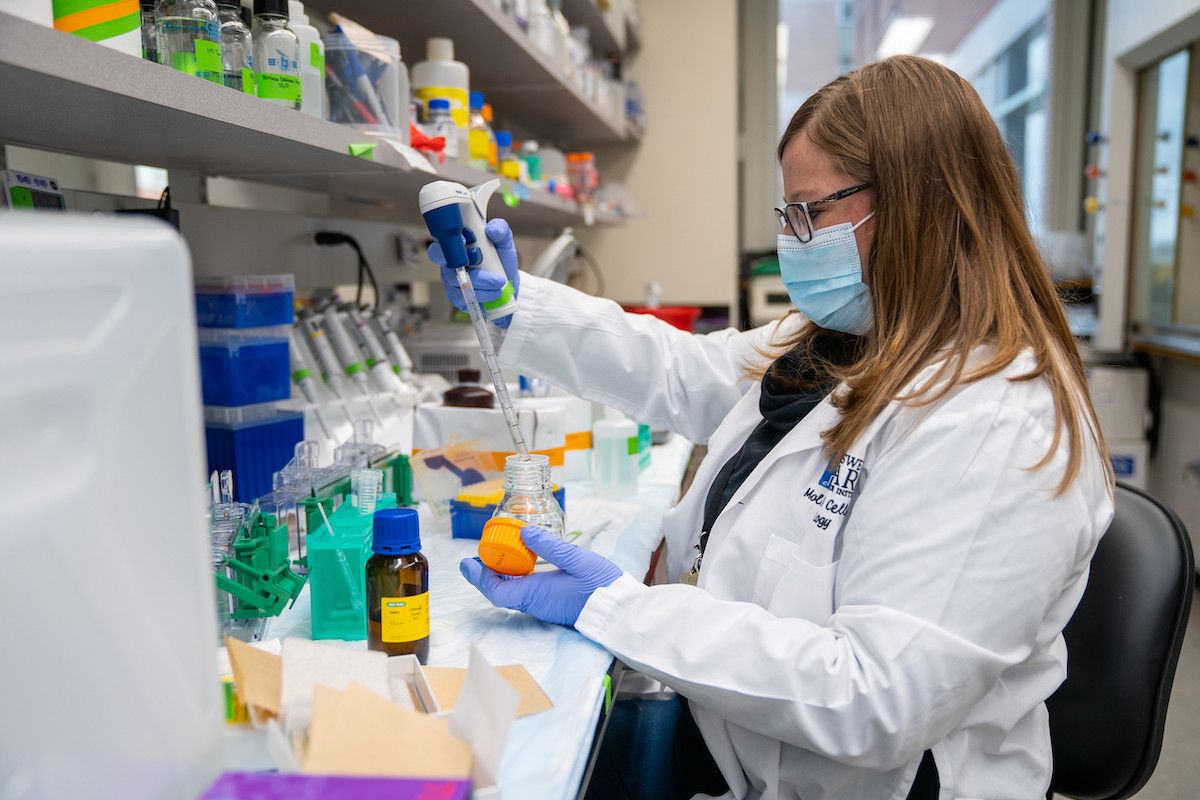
[330, 368]
[456, 218]
[303, 378]
[377, 360]
[401, 362]
[351, 356]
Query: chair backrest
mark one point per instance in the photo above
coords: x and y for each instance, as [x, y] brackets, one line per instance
[1107, 718]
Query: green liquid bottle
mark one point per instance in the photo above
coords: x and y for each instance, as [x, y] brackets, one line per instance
[398, 586]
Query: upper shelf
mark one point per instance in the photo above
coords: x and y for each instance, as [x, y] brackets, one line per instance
[520, 82]
[67, 94]
[607, 28]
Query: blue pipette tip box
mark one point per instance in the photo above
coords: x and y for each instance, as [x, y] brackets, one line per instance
[240, 368]
[253, 441]
[246, 301]
[471, 510]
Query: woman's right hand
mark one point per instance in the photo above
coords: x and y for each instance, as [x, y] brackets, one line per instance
[488, 285]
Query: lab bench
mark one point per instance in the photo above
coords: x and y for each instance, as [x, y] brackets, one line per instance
[548, 754]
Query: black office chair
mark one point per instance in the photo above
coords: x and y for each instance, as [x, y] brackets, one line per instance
[1107, 719]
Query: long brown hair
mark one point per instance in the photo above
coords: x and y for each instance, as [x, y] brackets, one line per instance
[952, 264]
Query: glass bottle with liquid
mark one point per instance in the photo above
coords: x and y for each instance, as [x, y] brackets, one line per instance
[276, 54]
[529, 494]
[188, 37]
[149, 34]
[398, 586]
[237, 53]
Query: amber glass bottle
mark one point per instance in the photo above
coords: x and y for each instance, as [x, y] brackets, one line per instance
[398, 586]
[469, 393]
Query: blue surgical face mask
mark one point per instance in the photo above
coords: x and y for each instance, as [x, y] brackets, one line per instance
[824, 278]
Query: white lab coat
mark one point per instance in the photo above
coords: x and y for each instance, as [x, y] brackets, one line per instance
[847, 620]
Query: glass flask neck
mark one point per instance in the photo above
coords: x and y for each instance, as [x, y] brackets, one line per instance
[527, 473]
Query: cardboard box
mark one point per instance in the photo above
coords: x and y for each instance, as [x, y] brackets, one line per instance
[1130, 460]
[334, 711]
[1120, 396]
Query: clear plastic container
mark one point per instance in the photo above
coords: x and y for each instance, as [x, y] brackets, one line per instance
[248, 301]
[529, 494]
[188, 35]
[237, 51]
[616, 458]
[276, 55]
[312, 61]
[367, 84]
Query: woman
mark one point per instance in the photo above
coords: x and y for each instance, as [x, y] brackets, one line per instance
[896, 516]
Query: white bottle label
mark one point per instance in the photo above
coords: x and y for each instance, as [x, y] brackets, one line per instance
[447, 129]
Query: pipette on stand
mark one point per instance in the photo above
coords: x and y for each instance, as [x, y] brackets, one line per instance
[351, 356]
[302, 376]
[377, 360]
[330, 368]
[401, 362]
[456, 218]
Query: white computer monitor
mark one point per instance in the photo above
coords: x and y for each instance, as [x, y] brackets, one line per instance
[108, 679]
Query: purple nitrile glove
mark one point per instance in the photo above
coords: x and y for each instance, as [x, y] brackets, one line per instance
[487, 285]
[557, 596]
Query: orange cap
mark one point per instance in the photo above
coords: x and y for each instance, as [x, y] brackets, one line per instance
[486, 112]
[501, 547]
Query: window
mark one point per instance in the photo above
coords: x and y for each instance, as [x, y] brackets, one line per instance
[1162, 284]
[1014, 89]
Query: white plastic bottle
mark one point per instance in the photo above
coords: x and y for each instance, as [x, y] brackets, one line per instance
[276, 54]
[312, 61]
[541, 27]
[439, 75]
[615, 464]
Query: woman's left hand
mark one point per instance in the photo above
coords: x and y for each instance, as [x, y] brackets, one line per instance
[558, 596]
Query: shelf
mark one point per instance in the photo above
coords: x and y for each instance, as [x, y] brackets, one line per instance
[633, 27]
[1172, 341]
[607, 28]
[67, 94]
[520, 82]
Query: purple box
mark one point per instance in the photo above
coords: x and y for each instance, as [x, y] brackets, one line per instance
[273, 786]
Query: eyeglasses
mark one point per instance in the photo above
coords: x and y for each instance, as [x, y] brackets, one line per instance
[796, 218]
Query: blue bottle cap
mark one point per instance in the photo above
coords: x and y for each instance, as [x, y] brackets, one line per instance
[439, 103]
[476, 103]
[503, 139]
[396, 532]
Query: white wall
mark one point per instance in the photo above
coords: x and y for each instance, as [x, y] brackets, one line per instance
[684, 174]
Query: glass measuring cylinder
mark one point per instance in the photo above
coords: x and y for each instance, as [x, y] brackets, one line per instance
[528, 494]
